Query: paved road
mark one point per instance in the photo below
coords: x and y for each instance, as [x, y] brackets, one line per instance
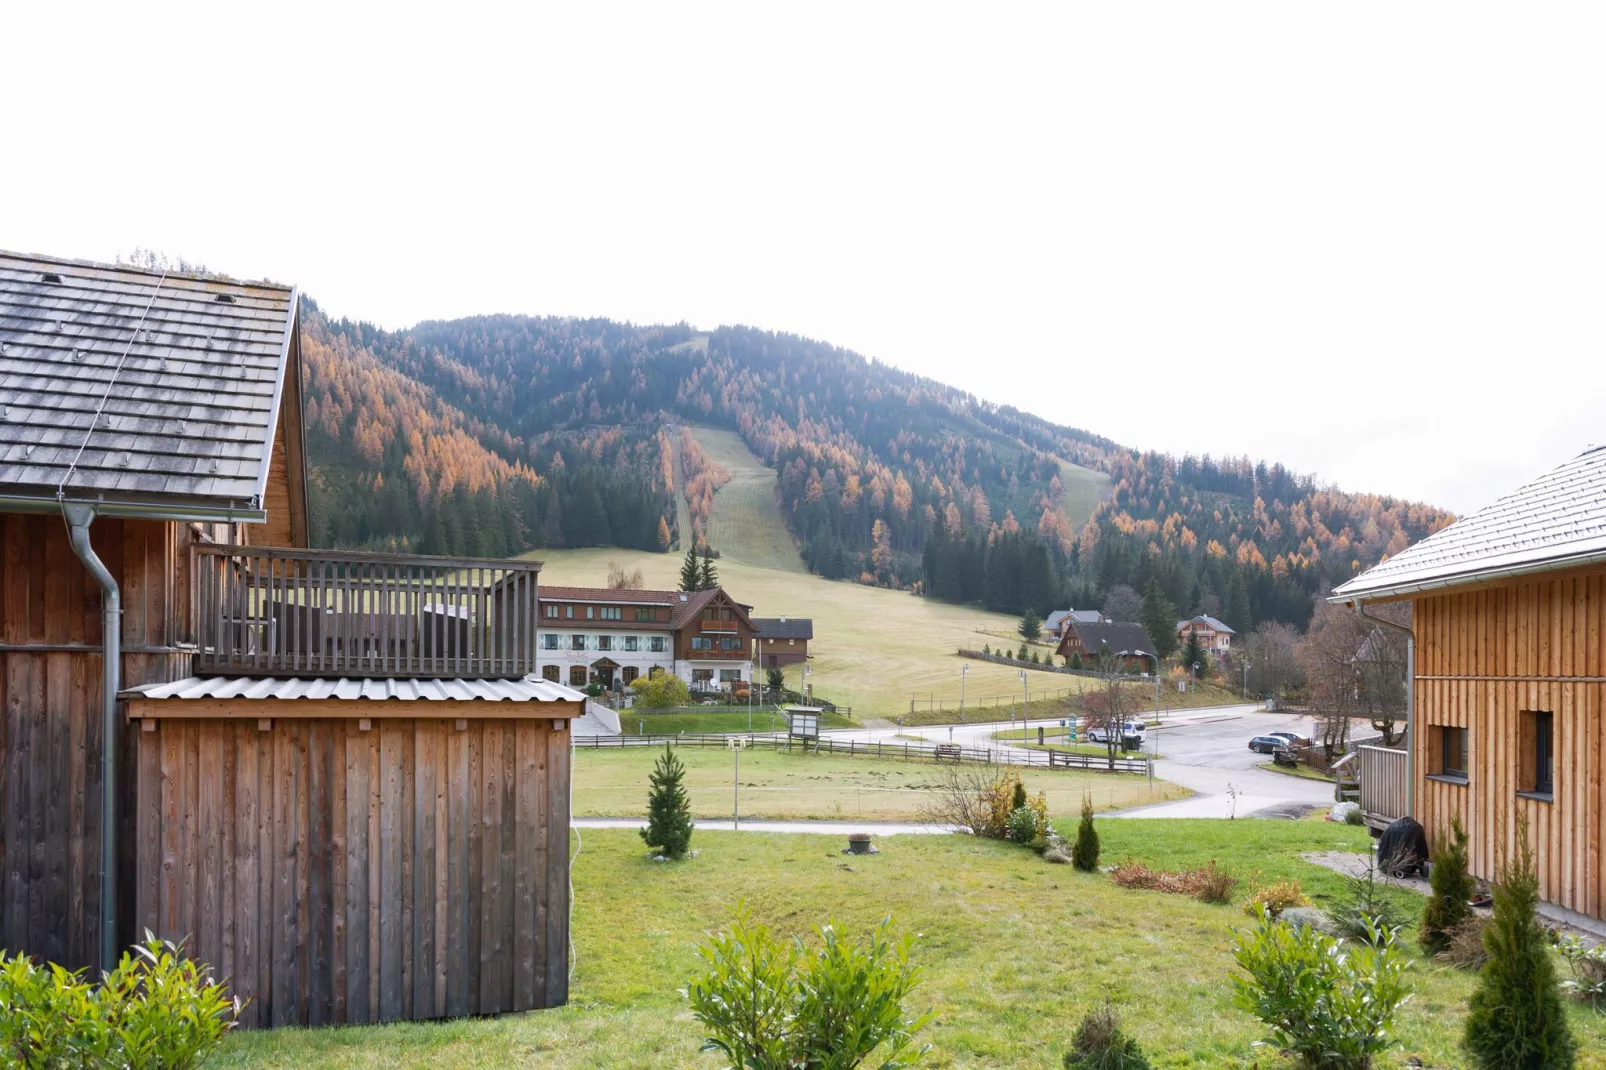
[1206, 751]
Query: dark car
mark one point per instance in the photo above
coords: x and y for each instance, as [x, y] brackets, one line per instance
[1292, 738]
[1266, 744]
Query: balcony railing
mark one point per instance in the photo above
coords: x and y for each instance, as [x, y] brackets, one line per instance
[263, 611]
[717, 626]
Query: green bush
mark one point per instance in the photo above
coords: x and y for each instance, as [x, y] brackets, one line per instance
[668, 807]
[1364, 899]
[156, 1009]
[1515, 1018]
[1099, 1043]
[660, 691]
[1453, 887]
[769, 1004]
[1023, 825]
[1356, 817]
[1085, 854]
[1329, 1003]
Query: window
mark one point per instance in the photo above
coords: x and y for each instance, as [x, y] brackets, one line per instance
[577, 675]
[707, 614]
[549, 672]
[791, 642]
[701, 642]
[730, 644]
[656, 644]
[577, 642]
[1538, 753]
[702, 676]
[729, 676]
[612, 613]
[591, 612]
[1450, 756]
[632, 643]
[549, 641]
[568, 612]
[630, 673]
[604, 642]
[551, 611]
[643, 613]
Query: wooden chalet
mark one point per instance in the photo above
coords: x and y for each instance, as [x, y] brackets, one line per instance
[1508, 682]
[782, 641]
[1126, 646]
[326, 771]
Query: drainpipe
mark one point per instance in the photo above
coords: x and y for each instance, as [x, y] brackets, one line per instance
[1410, 702]
[79, 517]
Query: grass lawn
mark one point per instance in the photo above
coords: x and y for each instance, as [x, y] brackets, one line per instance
[732, 719]
[1014, 950]
[1083, 490]
[1304, 772]
[1098, 750]
[746, 521]
[782, 784]
[1060, 694]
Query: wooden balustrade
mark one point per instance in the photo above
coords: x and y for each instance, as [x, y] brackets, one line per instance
[266, 611]
[1382, 773]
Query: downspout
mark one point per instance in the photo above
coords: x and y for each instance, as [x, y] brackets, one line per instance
[1410, 702]
[79, 517]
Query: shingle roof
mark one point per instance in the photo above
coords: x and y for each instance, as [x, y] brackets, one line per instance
[1556, 521]
[1207, 620]
[609, 594]
[379, 689]
[189, 415]
[784, 627]
[1130, 638]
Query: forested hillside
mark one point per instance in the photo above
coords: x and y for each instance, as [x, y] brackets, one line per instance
[497, 434]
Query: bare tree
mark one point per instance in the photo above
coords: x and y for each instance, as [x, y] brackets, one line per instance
[1381, 668]
[1355, 668]
[1108, 706]
[971, 796]
[1123, 604]
[620, 580]
[1272, 665]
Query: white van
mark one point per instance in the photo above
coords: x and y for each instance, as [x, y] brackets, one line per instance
[1133, 735]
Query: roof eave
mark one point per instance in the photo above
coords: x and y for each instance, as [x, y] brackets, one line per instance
[153, 508]
[1347, 594]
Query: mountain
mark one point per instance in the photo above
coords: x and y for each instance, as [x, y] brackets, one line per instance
[499, 434]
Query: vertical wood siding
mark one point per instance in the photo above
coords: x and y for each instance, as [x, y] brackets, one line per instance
[50, 702]
[1485, 657]
[335, 875]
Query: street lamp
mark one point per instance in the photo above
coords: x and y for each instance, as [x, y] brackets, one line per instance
[964, 671]
[1025, 702]
[808, 696]
[1246, 679]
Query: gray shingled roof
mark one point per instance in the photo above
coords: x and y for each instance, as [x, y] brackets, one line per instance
[188, 418]
[1207, 620]
[1556, 521]
[1130, 638]
[784, 627]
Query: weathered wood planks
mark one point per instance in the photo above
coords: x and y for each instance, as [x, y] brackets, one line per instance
[412, 870]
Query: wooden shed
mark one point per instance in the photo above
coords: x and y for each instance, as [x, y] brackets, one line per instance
[332, 773]
[1508, 708]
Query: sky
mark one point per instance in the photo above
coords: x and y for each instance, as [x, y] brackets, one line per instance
[1365, 240]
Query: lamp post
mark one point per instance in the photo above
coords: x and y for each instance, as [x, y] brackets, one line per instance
[1025, 703]
[1246, 679]
[964, 671]
[736, 744]
[808, 695]
[752, 678]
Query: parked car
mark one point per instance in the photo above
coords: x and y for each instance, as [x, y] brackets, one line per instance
[1133, 734]
[1266, 744]
[1294, 738]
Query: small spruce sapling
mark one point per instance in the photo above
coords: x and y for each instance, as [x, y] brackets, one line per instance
[1447, 906]
[668, 808]
[1516, 1019]
[1085, 855]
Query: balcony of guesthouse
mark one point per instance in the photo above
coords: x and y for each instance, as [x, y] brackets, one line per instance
[268, 611]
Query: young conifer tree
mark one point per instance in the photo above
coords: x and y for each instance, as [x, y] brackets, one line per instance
[1447, 906]
[668, 808]
[1085, 853]
[690, 573]
[1515, 1018]
[708, 578]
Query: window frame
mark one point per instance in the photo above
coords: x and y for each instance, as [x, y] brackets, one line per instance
[1440, 739]
[1537, 754]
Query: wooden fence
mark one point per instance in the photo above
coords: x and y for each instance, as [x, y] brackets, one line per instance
[1382, 775]
[909, 750]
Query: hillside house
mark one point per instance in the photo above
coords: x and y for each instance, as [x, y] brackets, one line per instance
[329, 771]
[1214, 636]
[597, 635]
[1055, 623]
[782, 641]
[1128, 644]
[1508, 681]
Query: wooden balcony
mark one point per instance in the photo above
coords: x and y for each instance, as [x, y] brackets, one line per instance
[263, 611]
[726, 626]
[1382, 773]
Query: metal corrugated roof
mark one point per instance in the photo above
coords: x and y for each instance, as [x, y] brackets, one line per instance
[380, 689]
[1556, 521]
[189, 416]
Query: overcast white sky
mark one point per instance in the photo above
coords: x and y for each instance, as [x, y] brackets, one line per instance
[1367, 240]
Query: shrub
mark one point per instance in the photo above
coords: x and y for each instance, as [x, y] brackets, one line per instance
[1588, 965]
[156, 1008]
[1213, 886]
[771, 1005]
[1276, 898]
[1356, 816]
[1017, 796]
[1447, 905]
[1099, 1043]
[668, 809]
[1085, 855]
[1515, 1018]
[1363, 899]
[975, 797]
[660, 691]
[1022, 825]
[1465, 950]
[1329, 1003]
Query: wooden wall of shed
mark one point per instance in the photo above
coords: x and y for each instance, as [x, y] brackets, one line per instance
[1483, 658]
[336, 875]
[50, 721]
